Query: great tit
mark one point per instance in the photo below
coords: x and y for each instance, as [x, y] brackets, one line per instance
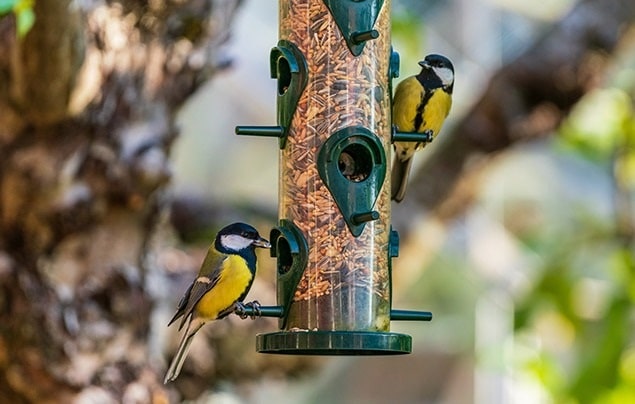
[222, 283]
[420, 104]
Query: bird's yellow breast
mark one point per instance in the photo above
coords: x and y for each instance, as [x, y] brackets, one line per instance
[436, 110]
[406, 106]
[233, 280]
[408, 96]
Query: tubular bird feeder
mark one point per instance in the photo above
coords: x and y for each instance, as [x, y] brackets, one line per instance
[334, 243]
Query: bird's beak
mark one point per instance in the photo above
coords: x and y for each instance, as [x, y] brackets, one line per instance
[424, 64]
[261, 242]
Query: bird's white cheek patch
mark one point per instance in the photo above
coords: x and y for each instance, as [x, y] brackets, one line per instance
[235, 242]
[446, 75]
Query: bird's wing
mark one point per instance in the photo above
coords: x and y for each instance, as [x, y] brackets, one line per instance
[207, 278]
[180, 308]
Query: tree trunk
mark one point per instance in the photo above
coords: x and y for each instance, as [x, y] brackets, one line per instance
[87, 106]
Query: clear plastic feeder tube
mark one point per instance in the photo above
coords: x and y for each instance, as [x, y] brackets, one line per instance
[346, 283]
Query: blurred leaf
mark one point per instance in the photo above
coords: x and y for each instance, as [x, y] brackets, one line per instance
[600, 351]
[26, 19]
[22, 5]
[623, 267]
[596, 122]
[7, 5]
[627, 367]
[546, 369]
[624, 166]
[600, 355]
[625, 169]
[587, 252]
[407, 31]
[620, 395]
[23, 9]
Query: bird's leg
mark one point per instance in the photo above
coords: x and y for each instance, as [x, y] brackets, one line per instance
[255, 306]
[240, 309]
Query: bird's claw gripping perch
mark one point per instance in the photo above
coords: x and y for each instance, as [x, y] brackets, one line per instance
[242, 310]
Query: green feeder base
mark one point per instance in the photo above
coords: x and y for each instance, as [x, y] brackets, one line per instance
[334, 343]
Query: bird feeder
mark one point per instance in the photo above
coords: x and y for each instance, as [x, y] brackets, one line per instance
[334, 243]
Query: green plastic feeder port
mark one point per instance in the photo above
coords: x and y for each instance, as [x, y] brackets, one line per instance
[393, 64]
[393, 244]
[356, 20]
[289, 247]
[289, 67]
[352, 164]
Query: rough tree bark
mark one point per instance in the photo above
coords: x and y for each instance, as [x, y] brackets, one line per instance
[87, 105]
[524, 100]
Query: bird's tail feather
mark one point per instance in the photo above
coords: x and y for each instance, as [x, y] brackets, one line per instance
[399, 178]
[177, 362]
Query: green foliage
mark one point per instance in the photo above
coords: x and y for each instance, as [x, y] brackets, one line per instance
[6, 6]
[407, 31]
[580, 308]
[597, 123]
[23, 10]
[586, 288]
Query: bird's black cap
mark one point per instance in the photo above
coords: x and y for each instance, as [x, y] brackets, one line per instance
[435, 60]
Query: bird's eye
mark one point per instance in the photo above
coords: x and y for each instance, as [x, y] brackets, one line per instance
[248, 234]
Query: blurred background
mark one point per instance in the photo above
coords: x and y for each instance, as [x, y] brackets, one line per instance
[532, 286]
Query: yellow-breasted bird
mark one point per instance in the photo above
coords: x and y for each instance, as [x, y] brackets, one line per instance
[420, 104]
[222, 283]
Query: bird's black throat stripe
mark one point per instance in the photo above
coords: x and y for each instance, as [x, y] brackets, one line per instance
[425, 97]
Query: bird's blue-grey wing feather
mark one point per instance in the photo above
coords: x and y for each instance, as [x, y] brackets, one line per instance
[204, 282]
